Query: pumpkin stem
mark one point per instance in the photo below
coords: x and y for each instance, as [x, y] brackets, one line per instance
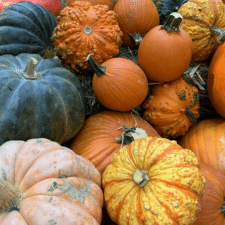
[29, 72]
[191, 114]
[10, 196]
[172, 23]
[223, 208]
[130, 134]
[219, 32]
[140, 177]
[136, 38]
[99, 70]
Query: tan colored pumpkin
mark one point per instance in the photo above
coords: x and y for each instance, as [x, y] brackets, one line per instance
[103, 134]
[204, 20]
[153, 181]
[42, 182]
[136, 18]
[84, 29]
[172, 108]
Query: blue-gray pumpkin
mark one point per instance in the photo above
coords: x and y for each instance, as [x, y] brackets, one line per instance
[26, 27]
[39, 98]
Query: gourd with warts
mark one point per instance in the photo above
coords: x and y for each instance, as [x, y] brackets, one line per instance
[153, 181]
[84, 29]
[172, 108]
[165, 52]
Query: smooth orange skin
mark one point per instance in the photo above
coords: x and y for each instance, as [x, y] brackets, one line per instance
[54, 6]
[33, 166]
[164, 56]
[109, 3]
[136, 16]
[207, 141]
[213, 198]
[216, 80]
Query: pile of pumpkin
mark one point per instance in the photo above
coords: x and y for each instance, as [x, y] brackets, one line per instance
[163, 165]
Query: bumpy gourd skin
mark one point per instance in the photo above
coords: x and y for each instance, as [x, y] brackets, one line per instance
[170, 197]
[199, 16]
[86, 29]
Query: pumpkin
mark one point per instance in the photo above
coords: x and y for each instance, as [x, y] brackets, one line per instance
[54, 6]
[172, 108]
[43, 182]
[166, 7]
[207, 141]
[204, 20]
[84, 29]
[109, 3]
[118, 83]
[136, 18]
[215, 80]
[103, 134]
[212, 202]
[153, 181]
[39, 98]
[161, 52]
[26, 27]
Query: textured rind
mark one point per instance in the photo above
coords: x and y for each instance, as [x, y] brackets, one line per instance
[74, 45]
[198, 18]
[57, 185]
[170, 197]
[165, 108]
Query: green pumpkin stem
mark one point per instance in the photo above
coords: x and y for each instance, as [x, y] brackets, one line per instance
[29, 72]
[136, 38]
[99, 70]
[191, 114]
[219, 32]
[10, 196]
[172, 23]
[223, 207]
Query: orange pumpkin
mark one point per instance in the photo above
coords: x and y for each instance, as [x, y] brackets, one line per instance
[216, 81]
[42, 182]
[207, 141]
[119, 84]
[84, 29]
[109, 3]
[172, 108]
[212, 201]
[165, 52]
[104, 133]
[136, 18]
[153, 181]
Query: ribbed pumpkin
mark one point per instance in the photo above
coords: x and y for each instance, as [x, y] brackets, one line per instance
[212, 202]
[118, 83]
[216, 81]
[26, 27]
[104, 133]
[204, 20]
[172, 108]
[109, 3]
[165, 51]
[42, 182]
[39, 98]
[84, 29]
[207, 141]
[153, 181]
[136, 18]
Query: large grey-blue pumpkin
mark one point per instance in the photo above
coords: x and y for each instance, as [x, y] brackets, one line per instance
[38, 98]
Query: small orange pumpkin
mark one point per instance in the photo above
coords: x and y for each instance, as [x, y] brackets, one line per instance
[104, 133]
[172, 108]
[136, 18]
[119, 84]
[216, 81]
[84, 29]
[42, 182]
[153, 181]
[165, 52]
